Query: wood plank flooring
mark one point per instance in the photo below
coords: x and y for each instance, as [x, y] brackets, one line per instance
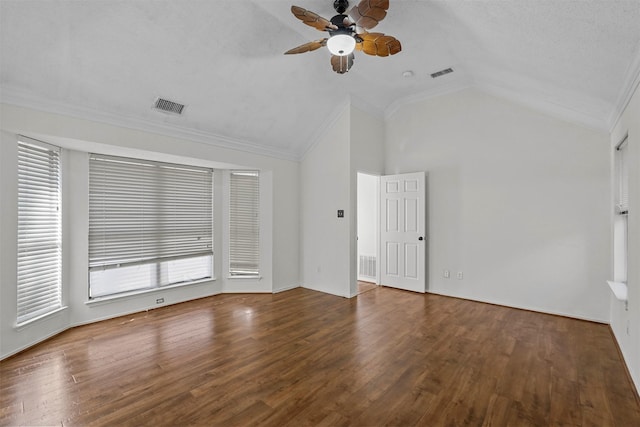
[303, 358]
[365, 287]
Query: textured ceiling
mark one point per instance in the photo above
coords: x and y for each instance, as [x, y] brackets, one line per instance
[109, 60]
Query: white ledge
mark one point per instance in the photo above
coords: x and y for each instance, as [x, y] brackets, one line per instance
[619, 289]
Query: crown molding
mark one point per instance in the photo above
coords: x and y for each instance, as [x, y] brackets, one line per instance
[12, 96]
[546, 107]
[344, 107]
[631, 82]
[322, 130]
[540, 105]
[424, 96]
[366, 106]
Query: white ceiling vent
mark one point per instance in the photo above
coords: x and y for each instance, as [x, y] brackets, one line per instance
[442, 72]
[168, 106]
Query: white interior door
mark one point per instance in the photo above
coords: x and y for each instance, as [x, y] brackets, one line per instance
[402, 234]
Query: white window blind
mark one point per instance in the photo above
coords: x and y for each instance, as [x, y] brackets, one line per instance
[622, 176]
[150, 224]
[39, 230]
[244, 223]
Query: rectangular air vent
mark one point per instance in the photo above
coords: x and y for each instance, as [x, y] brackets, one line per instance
[442, 72]
[168, 106]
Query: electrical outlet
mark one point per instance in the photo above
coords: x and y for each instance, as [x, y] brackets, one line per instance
[460, 276]
[446, 274]
[159, 300]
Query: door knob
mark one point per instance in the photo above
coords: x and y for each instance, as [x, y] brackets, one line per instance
[420, 238]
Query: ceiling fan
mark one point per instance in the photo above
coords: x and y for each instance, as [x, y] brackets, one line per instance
[349, 32]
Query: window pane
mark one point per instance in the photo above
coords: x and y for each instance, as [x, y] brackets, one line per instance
[244, 223]
[123, 279]
[148, 276]
[39, 230]
[147, 213]
[188, 270]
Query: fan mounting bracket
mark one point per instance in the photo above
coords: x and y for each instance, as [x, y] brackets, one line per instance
[341, 5]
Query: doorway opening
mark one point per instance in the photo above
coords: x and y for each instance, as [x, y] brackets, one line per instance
[368, 195]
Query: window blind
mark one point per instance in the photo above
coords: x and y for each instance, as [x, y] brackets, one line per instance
[143, 212]
[39, 230]
[622, 163]
[244, 223]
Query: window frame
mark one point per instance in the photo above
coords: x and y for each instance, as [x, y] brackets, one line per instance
[36, 158]
[236, 254]
[169, 189]
[621, 211]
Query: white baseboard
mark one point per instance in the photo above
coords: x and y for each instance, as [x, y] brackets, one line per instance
[534, 309]
[286, 288]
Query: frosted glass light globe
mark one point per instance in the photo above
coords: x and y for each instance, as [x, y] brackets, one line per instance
[341, 44]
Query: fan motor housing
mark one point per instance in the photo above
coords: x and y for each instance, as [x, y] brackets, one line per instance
[339, 21]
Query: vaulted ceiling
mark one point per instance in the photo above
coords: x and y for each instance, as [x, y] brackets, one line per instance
[109, 60]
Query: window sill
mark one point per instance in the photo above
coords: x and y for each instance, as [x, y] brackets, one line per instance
[619, 289]
[127, 295]
[26, 323]
[244, 277]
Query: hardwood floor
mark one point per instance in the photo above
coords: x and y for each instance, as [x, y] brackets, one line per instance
[303, 358]
[365, 287]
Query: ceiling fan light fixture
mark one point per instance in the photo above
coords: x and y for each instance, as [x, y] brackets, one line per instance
[341, 44]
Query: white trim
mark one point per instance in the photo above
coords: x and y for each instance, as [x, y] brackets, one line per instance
[631, 82]
[286, 288]
[322, 130]
[127, 295]
[324, 291]
[548, 108]
[12, 96]
[529, 101]
[26, 323]
[367, 107]
[34, 342]
[424, 96]
[532, 309]
[619, 289]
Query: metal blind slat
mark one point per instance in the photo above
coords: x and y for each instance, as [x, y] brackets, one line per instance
[244, 223]
[142, 210]
[39, 255]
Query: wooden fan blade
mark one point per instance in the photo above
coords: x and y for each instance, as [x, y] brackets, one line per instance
[342, 64]
[307, 47]
[368, 13]
[312, 19]
[378, 44]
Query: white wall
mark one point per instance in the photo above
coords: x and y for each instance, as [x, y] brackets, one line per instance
[279, 213]
[325, 189]
[352, 143]
[626, 323]
[367, 156]
[518, 201]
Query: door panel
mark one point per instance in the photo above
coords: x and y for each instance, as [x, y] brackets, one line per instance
[411, 215]
[392, 216]
[403, 219]
[392, 260]
[411, 261]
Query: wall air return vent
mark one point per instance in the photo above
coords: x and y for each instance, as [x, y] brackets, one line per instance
[442, 72]
[168, 106]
